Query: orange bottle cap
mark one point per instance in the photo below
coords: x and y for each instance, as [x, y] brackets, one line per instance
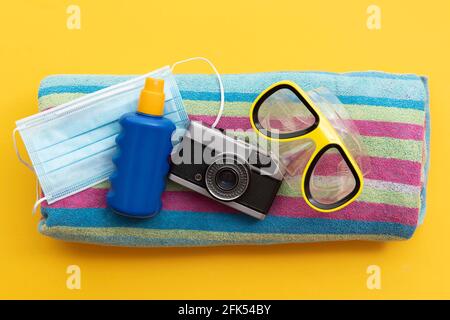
[152, 97]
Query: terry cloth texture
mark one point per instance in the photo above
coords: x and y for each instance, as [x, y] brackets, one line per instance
[390, 111]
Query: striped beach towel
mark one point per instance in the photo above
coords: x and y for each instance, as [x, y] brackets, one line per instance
[390, 111]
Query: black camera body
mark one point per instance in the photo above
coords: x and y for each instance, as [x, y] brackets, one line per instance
[226, 169]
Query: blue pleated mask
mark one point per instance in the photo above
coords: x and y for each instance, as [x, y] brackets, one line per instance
[71, 145]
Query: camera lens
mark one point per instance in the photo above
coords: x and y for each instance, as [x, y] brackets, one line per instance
[227, 178]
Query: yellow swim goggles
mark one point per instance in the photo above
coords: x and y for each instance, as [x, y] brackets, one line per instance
[332, 178]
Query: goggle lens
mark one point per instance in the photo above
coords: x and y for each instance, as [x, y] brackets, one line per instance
[331, 179]
[283, 112]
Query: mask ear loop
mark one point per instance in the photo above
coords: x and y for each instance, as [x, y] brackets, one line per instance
[38, 201]
[29, 166]
[37, 204]
[219, 78]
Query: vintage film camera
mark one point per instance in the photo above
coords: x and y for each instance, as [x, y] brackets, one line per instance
[226, 169]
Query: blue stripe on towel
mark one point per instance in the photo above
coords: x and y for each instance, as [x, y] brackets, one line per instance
[74, 80]
[68, 89]
[101, 217]
[361, 100]
[248, 97]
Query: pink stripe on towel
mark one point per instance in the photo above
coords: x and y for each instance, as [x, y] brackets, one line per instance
[282, 206]
[368, 128]
[395, 170]
[395, 130]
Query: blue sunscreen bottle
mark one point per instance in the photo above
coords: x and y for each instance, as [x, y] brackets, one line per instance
[142, 160]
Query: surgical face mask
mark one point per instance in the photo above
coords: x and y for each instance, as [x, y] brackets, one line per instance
[71, 145]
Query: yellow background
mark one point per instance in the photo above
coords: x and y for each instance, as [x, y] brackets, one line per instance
[131, 37]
